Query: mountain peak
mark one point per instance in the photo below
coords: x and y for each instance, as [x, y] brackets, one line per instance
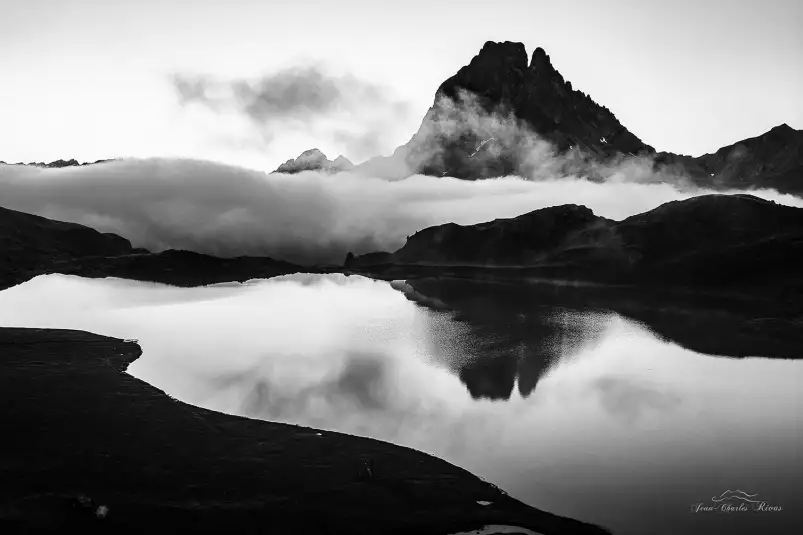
[540, 61]
[343, 161]
[497, 90]
[509, 52]
[313, 153]
[482, 118]
[314, 160]
[783, 129]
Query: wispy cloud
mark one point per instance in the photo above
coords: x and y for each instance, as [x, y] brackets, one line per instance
[347, 111]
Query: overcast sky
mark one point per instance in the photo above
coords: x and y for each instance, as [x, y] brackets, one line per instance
[92, 79]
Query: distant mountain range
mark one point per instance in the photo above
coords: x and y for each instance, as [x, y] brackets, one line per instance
[58, 163]
[500, 82]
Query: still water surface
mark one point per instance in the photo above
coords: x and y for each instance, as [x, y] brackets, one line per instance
[573, 409]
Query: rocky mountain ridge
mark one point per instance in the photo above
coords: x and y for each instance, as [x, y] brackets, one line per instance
[771, 160]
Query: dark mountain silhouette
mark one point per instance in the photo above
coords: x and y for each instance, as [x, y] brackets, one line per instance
[314, 160]
[522, 240]
[500, 83]
[481, 118]
[717, 241]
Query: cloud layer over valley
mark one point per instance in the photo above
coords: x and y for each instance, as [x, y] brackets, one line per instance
[309, 217]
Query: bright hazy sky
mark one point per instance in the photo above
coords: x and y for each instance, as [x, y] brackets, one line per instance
[91, 79]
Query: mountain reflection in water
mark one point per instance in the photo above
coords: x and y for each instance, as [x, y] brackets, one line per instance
[513, 336]
[555, 394]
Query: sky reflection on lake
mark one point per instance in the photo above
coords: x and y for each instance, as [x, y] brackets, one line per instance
[578, 411]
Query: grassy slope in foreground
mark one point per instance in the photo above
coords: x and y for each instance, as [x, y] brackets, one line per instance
[76, 425]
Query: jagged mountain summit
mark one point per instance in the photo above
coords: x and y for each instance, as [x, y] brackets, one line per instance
[480, 122]
[481, 118]
[315, 160]
[486, 118]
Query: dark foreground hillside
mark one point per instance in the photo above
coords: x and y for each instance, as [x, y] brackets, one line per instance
[31, 245]
[87, 447]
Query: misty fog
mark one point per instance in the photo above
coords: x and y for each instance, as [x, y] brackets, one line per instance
[310, 217]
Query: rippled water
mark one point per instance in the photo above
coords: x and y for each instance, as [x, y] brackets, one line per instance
[569, 407]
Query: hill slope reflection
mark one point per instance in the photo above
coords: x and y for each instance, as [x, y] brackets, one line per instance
[592, 399]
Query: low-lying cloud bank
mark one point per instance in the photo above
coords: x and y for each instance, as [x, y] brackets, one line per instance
[309, 217]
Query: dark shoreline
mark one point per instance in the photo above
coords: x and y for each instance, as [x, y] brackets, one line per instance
[84, 434]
